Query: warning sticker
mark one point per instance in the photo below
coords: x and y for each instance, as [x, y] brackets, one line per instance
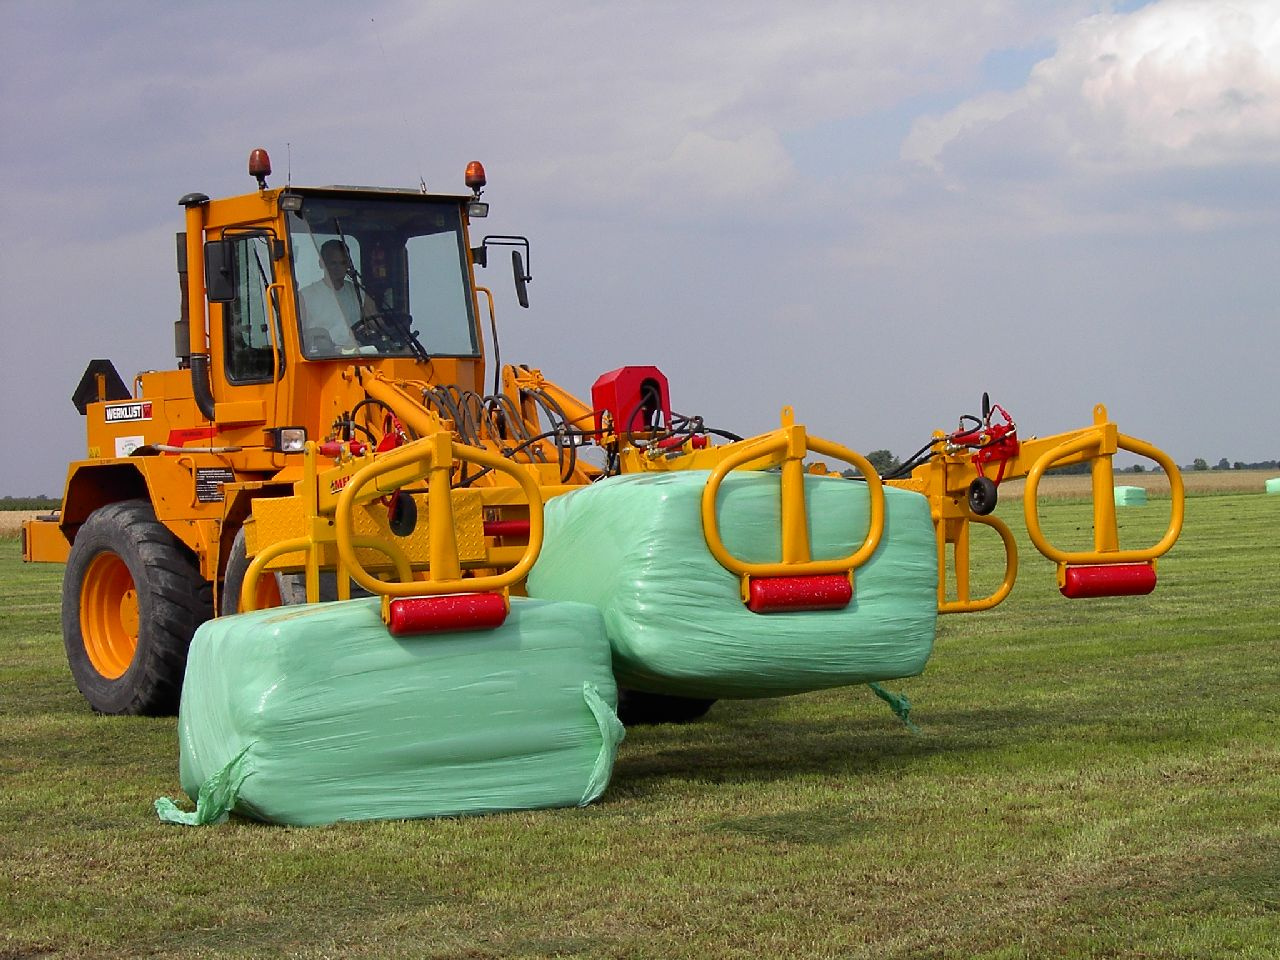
[209, 481]
[126, 445]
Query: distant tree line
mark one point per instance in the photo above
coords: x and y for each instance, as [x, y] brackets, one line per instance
[885, 462]
[1199, 463]
[30, 503]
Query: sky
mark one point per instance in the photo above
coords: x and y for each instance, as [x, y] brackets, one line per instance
[873, 212]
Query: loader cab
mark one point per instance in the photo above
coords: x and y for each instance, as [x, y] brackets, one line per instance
[305, 283]
[380, 274]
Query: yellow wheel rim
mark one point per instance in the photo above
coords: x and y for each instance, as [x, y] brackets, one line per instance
[109, 615]
[267, 592]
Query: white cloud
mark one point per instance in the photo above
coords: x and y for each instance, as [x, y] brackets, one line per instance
[1176, 84]
[726, 169]
[615, 99]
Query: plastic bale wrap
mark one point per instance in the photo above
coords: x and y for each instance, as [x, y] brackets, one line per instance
[634, 547]
[315, 714]
[1273, 485]
[1130, 496]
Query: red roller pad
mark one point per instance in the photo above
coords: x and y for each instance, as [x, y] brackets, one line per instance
[1109, 580]
[799, 593]
[506, 528]
[451, 612]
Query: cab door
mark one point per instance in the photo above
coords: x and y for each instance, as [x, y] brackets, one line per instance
[252, 338]
[247, 338]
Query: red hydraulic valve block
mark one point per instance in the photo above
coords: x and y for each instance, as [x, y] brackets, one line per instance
[334, 448]
[633, 397]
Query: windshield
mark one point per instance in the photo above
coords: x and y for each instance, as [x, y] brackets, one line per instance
[381, 275]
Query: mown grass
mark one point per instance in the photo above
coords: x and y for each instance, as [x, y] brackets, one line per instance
[1091, 779]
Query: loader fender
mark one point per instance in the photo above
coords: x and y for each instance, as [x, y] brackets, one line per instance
[179, 489]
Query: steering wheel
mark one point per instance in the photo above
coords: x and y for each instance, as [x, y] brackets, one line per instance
[385, 328]
[370, 330]
[319, 342]
[390, 331]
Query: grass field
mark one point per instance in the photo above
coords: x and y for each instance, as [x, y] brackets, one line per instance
[1090, 779]
[1196, 483]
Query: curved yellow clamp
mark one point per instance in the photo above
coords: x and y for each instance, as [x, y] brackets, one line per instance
[788, 446]
[248, 590]
[1083, 445]
[435, 454]
[963, 604]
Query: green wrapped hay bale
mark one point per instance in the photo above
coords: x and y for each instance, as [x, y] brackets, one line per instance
[315, 714]
[1273, 485]
[1130, 496]
[633, 546]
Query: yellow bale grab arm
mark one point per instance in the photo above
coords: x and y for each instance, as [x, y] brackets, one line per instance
[371, 477]
[1106, 537]
[433, 457]
[787, 448]
[960, 493]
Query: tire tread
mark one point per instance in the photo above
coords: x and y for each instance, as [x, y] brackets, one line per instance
[177, 599]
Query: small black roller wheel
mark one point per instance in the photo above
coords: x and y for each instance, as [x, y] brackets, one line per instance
[132, 597]
[402, 515]
[638, 708]
[983, 495]
[273, 589]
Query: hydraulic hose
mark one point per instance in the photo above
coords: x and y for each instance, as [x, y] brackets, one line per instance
[200, 387]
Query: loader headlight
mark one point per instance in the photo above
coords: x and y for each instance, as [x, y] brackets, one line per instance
[287, 439]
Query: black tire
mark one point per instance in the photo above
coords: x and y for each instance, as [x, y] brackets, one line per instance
[289, 589]
[983, 495]
[636, 708]
[132, 597]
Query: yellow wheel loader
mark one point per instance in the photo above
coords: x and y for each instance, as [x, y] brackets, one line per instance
[339, 422]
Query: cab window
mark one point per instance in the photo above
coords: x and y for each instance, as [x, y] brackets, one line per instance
[245, 332]
[381, 275]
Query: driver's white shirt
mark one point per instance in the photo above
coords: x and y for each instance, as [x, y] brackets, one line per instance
[334, 311]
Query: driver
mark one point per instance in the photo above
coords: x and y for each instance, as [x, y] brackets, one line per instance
[334, 303]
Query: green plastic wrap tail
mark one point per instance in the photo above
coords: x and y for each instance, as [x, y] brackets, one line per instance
[898, 703]
[216, 799]
[612, 733]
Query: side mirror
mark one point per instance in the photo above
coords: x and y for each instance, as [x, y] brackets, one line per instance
[522, 278]
[480, 256]
[220, 270]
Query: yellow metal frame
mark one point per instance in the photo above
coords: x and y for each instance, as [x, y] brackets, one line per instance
[323, 533]
[311, 546]
[955, 531]
[946, 478]
[788, 446]
[432, 457]
[1106, 537]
